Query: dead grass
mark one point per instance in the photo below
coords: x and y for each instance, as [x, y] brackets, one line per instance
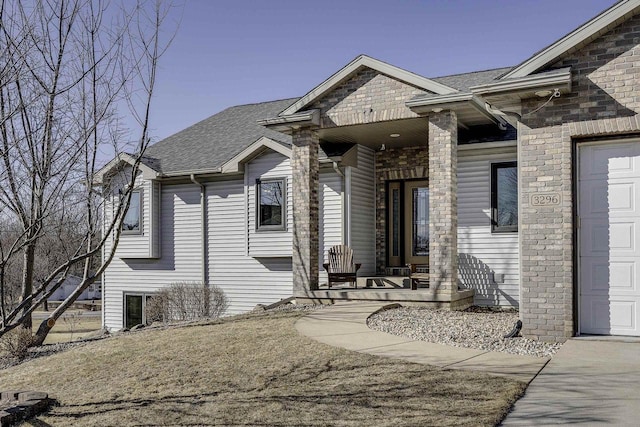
[61, 332]
[254, 370]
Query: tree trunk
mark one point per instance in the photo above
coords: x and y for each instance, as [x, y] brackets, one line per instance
[48, 323]
[27, 280]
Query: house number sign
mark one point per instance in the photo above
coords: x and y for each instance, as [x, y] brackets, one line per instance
[545, 199]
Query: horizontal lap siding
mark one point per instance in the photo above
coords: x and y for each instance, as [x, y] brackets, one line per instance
[269, 243]
[363, 211]
[482, 252]
[181, 253]
[246, 280]
[330, 196]
[138, 245]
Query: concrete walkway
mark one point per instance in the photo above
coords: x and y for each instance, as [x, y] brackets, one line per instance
[588, 382]
[344, 325]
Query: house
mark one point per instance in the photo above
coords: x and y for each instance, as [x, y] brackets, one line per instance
[70, 284]
[518, 186]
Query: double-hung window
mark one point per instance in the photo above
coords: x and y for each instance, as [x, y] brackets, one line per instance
[271, 210]
[504, 197]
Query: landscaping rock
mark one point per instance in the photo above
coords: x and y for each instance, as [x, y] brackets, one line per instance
[478, 328]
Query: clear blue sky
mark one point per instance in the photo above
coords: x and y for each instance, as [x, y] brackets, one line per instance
[230, 52]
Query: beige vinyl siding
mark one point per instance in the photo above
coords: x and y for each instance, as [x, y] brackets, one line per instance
[268, 243]
[330, 195]
[181, 254]
[246, 280]
[483, 253]
[363, 212]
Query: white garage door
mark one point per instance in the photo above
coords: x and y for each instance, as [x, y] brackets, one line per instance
[609, 238]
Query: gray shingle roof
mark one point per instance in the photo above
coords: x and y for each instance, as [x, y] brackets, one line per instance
[463, 82]
[213, 141]
[208, 144]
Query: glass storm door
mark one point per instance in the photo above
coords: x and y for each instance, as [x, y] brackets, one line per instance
[416, 213]
[408, 223]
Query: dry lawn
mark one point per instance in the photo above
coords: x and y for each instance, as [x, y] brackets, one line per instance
[70, 328]
[253, 370]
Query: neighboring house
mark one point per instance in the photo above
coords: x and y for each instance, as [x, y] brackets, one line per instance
[70, 284]
[518, 186]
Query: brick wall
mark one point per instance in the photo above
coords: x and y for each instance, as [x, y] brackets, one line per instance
[367, 97]
[304, 165]
[443, 201]
[604, 102]
[395, 164]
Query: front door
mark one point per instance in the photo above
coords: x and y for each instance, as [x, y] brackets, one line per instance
[408, 223]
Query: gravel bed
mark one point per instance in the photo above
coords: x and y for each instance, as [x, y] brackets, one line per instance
[478, 328]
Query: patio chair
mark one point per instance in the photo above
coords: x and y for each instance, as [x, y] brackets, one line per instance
[418, 273]
[340, 267]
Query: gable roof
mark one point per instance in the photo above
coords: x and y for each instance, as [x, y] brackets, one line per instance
[581, 35]
[464, 81]
[207, 145]
[364, 61]
[147, 167]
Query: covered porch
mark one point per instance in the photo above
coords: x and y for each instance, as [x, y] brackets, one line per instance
[412, 126]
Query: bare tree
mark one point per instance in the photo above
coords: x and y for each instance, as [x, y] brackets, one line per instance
[68, 69]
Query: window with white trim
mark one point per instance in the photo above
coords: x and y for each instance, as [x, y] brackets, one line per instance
[271, 209]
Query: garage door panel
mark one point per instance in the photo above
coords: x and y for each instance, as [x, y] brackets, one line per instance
[600, 315]
[599, 275]
[609, 238]
[617, 160]
[612, 238]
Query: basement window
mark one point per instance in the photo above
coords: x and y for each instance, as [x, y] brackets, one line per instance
[135, 309]
[504, 197]
[271, 204]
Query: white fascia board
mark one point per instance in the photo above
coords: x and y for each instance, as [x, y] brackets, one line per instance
[419, 105]
[282, 123]
[147, 172]
[235, 163]
[560, 79]
[374, 64]
[452, 102]
[574, 38]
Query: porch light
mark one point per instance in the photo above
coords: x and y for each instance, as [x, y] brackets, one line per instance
[543, 93]
[394, 135]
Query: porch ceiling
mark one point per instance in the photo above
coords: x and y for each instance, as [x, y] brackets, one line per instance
[412, 132]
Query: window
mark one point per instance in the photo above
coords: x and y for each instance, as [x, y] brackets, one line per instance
[133, 218]
[135, 308]
[271, 206]
[504, 197]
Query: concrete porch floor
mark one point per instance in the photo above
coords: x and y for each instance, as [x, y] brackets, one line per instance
[389, 289]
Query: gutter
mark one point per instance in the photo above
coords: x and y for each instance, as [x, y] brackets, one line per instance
[203, 229]
[561, 79]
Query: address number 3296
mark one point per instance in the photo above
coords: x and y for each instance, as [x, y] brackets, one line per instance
[545, 199]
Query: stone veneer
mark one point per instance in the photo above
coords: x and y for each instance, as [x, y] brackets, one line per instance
[394, 164]
[367, 97]
[603, 102]
[304, 164]
[443, 202]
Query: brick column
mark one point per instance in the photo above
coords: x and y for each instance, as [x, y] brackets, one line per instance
[304, 164]
[443, 202]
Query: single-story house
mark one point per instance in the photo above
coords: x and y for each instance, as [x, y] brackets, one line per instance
[517, 186]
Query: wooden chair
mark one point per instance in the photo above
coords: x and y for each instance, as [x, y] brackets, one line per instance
[418, 273]
[340, 267]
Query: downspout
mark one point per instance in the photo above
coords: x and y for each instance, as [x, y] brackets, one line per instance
[203, 230]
